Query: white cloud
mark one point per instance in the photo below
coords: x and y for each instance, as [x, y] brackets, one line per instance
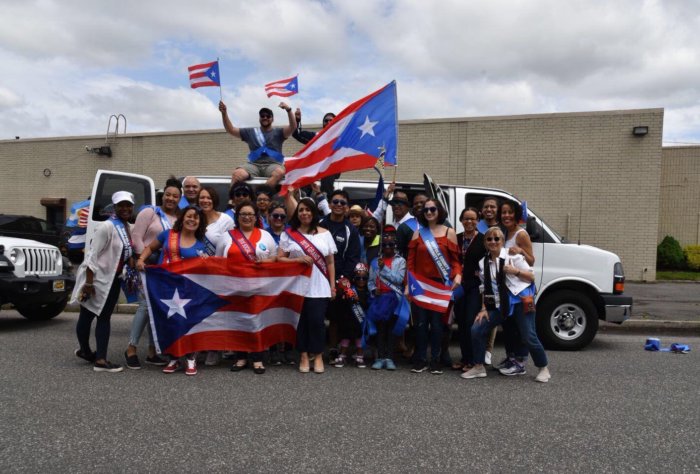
[69, 65]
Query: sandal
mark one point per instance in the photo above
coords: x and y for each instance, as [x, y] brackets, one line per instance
[259, 369]
[457, 366]
[237, 368]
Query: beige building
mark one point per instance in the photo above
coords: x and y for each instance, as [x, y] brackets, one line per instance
[584, 171]
[679, 214]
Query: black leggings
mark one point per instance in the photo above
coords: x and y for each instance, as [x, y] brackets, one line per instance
[102, 327]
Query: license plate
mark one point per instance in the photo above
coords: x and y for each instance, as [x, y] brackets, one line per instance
[59, 285]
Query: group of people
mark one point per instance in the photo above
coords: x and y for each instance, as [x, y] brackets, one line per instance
[356, 310]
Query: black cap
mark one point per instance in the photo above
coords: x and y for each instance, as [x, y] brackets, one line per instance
[265, 110]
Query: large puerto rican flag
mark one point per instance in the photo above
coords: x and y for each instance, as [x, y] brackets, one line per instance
[354, 140]
[204, 304]
[429, 294]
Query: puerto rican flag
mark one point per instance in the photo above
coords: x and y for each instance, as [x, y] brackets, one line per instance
[354, 140]
[205, 304]
[283, 88]
[429, 294]
[204, 75]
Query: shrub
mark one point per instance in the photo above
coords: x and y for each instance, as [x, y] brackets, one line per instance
[669, 254]
[692, 256]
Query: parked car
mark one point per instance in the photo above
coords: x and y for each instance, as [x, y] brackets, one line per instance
[577, 285]
[30, 227]
[33, 278]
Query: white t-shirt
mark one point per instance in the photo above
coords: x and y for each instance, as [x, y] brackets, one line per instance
[513, 283]
[264, 248]
[218, 228]
[323, 241]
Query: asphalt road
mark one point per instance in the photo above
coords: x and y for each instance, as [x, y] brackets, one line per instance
[610, 408]
[665, 301]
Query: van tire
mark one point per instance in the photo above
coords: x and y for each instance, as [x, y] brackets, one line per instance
[566, 320]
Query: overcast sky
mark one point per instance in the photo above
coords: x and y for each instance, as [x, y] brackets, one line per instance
[68, 65]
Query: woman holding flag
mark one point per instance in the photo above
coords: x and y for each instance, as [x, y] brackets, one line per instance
[434, 271]
[150, 222]
[247, 243]
[185, 240]
[304, 241]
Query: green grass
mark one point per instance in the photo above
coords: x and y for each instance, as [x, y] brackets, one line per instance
[672, 275]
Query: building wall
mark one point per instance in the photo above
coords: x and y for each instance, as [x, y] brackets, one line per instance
[679, 214]
[572, 167]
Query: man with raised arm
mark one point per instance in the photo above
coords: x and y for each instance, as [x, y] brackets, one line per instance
[265, 143]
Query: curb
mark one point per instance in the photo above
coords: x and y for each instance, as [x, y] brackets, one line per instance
[651, 325]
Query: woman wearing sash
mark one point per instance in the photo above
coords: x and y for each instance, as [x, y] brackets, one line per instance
[185, 240]
[507, 294]
[98, 281]
[432, 254]
[150, 222]
[471, 244]
[218, 223]
[277, 221]
[247, 243]
[304, 241]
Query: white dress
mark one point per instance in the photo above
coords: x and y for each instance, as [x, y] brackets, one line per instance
[218, 228]
[323, 241]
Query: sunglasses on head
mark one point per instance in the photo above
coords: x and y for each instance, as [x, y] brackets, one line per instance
[280, 217]
[430, 209]
[493, 239]
[339, 202]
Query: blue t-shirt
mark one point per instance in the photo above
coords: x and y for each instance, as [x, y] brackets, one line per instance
[199, 248]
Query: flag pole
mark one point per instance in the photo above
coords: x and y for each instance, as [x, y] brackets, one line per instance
[221, 94]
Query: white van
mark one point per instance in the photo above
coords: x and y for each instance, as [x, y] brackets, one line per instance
[577, 284]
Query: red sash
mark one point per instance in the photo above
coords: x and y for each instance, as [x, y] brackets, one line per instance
[309, 249]
[243, 244]
[172, 251]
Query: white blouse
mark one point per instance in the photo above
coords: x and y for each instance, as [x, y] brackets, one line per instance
[320, 287]
[513, 283]
[218, 228]
[264, 248]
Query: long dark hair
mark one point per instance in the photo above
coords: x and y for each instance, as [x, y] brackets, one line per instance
[201, 228]
[294, 222]
[241, 205]
[442, 214]
[213, 194]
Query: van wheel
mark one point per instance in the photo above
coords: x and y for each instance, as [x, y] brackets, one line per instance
[42, 312]
[566, 320]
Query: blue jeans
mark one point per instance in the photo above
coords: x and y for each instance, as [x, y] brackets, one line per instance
[140, 322]
[427, 326]
[526, 326]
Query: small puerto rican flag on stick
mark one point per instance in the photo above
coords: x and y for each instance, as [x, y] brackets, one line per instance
[283, 88]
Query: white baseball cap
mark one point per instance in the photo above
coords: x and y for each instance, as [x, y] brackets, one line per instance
[121, 196]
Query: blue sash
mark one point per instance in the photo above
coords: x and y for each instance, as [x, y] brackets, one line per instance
[402, 308]
[211, 248]
[482, 226]
[163, 218]
[435, 253]
[183, 202]
[412, 223]
[254, 155]
[130, 284]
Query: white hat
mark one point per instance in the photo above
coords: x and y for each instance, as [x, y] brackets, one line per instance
[121, 196]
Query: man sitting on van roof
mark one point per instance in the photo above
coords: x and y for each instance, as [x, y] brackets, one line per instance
[265, 143]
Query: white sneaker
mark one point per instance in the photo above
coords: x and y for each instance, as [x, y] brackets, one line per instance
[213, 358]
[487, 358]
[474, 372]
[543, 375]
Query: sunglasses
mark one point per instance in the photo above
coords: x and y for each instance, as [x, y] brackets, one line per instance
[362, 278]
[398, 202]
[339, 202]
[389, 245]
[241, 194]
[280, 217]
[493, 239]
[430, 210]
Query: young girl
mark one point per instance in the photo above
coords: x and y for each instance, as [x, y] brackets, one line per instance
[386, 277]
[355, 296]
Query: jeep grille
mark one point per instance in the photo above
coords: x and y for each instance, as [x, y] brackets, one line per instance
[40, 261]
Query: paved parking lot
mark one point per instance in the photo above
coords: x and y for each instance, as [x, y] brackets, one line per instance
[610, 408]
